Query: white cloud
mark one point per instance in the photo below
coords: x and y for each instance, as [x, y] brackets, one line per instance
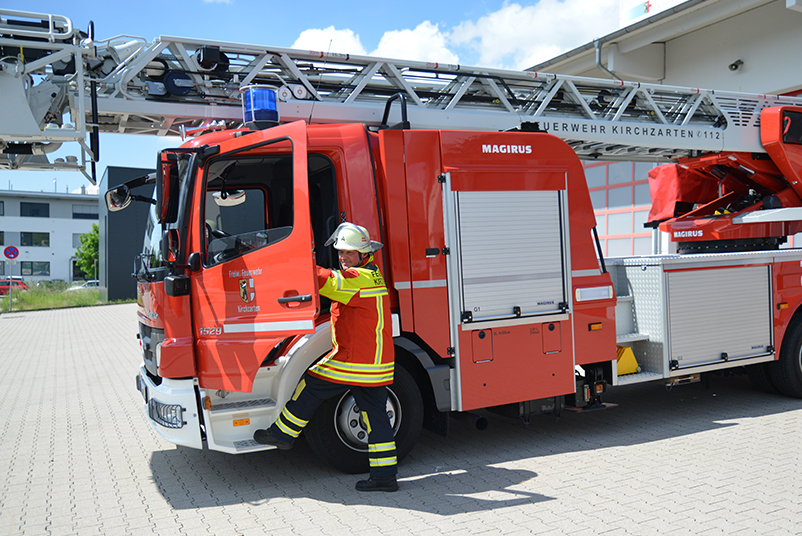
[330, 40]
[517, 37]
[425, 43]
[513, 37]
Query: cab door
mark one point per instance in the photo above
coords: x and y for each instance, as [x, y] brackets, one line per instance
[257, 282]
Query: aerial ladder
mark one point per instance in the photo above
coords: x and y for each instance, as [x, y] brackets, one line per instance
[60, 84]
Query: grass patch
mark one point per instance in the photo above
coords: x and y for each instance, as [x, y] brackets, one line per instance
[49, 297]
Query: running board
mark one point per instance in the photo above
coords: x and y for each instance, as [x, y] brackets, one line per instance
[244, 405]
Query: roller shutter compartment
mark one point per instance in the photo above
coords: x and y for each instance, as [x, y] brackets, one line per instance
[511, 253]
[718, 314]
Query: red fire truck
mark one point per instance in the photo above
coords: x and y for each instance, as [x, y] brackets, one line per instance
[501, 296]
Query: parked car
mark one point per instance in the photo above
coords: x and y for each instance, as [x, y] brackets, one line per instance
[88, 284]
[8, 285]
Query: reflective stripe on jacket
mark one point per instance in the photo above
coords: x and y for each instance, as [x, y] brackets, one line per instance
[361, 329]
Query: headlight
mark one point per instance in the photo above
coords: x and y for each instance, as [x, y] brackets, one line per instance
[168, 415]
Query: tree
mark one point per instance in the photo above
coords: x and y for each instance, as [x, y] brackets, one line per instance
[87, 252]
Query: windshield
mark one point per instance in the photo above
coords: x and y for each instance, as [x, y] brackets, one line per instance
[151, 249]
[152, 257]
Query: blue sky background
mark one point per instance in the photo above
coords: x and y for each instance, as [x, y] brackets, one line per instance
[511, 35]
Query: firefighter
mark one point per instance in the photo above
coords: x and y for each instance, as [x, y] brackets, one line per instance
[362, 359]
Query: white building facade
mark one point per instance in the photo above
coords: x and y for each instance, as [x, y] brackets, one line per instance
[744, 45]
[44, 227]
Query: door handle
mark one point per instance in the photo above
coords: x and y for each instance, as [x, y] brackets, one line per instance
[291, 299]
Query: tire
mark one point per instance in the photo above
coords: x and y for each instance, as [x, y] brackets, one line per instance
[760, 376]
[334, 436]
[786, 373]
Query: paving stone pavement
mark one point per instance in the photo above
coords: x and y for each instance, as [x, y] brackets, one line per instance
[79, 457]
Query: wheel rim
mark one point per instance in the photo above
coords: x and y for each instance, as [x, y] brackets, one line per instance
[350, 426]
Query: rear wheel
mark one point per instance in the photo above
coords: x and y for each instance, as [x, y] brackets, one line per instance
[761, 377]
[786, 373]
[338, 435]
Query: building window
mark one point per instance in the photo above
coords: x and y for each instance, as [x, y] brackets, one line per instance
[84, 212]
[2, 239]
[2, 208]
[34, 210]
[77, 273]
[76, 240]
[35, 239]
[619, 192]
[35, 268]
[2, 267]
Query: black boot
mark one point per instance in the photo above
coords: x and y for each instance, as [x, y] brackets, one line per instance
[388, 483]
[266, 437]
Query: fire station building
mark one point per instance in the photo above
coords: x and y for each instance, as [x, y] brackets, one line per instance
[746, 46]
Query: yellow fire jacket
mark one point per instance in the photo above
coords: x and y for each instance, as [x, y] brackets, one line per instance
[361, 328]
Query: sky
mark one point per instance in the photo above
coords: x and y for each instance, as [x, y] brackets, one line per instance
[487, 33]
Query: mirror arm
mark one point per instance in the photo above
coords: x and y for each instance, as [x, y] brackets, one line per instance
[139, 181]
[194, 263]
[146, 199]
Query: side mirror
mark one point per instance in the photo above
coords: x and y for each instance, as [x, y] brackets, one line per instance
[118, 199]
[167, 187]
[194, 261]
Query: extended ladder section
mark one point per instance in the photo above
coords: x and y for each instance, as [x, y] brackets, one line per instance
[156, 87]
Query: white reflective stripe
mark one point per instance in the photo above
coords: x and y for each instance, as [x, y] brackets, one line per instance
[364, 293]
[286, 429]
[339, 279]
[293, 419]
[382, 447]
[257, 327]
[585, 273]
[594, 293]
[435, 283]
[380, 329]
[357, 367]
[383, 462]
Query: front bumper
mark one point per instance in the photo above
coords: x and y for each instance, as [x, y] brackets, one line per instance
[172, 409]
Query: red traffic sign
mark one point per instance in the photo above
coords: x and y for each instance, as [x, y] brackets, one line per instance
[11, 252]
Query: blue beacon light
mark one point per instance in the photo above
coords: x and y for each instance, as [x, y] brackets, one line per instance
[259, 107]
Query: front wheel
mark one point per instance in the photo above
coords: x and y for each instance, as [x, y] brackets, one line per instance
[338, 435]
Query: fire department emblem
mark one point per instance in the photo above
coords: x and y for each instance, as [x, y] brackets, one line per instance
[246, 290]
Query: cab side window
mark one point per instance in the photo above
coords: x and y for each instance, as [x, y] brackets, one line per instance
[248, 205]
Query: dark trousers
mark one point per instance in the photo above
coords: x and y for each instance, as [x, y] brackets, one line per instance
[372, 402]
